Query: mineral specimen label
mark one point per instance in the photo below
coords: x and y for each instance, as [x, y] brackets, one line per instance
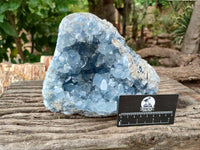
[137, 110]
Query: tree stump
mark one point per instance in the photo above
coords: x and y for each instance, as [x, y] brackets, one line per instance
[173, 63]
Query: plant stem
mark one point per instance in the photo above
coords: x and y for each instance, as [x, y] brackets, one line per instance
[17, 39]
[33, 42]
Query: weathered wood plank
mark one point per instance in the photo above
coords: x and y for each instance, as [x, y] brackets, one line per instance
[24, 91]
[26, 124]
[28, 83]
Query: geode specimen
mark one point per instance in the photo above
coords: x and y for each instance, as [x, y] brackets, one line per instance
[91, 67]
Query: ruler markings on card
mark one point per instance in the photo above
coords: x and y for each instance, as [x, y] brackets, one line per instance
[135, 110]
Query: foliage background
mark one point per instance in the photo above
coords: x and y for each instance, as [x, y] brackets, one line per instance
[29, 27]
[35, 22]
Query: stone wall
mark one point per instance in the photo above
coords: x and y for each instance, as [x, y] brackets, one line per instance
[162, 40]
[150, 40]
[10, 73]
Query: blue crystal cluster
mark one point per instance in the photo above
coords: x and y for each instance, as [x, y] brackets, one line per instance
[92, 67]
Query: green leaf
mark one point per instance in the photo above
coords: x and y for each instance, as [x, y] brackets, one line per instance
[24, 38]
[187, 18]
[26, 52]
[3, 54]
[14, 4]
[3, 8]
[33, 3]
[8, 29]
[1, 42]
[62, 5]
[50, 3]
[183, 22]
[1, 18]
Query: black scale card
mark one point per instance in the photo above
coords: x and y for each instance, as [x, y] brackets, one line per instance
[137, 110]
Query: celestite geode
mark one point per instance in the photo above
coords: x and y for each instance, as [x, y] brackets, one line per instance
[91, 67]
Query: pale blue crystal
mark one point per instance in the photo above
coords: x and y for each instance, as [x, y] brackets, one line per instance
[92, 67]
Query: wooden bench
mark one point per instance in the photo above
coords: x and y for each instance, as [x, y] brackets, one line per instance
[26, 124]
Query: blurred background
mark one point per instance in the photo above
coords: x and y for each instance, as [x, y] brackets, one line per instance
[29, 28]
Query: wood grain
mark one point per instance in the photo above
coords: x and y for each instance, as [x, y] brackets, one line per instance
[26, 124]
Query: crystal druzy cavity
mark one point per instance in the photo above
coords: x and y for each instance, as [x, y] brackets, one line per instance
[92, 67]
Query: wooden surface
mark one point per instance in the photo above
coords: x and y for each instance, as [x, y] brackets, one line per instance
[26, 124]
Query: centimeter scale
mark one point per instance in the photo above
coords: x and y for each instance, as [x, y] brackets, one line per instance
[136, 110]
